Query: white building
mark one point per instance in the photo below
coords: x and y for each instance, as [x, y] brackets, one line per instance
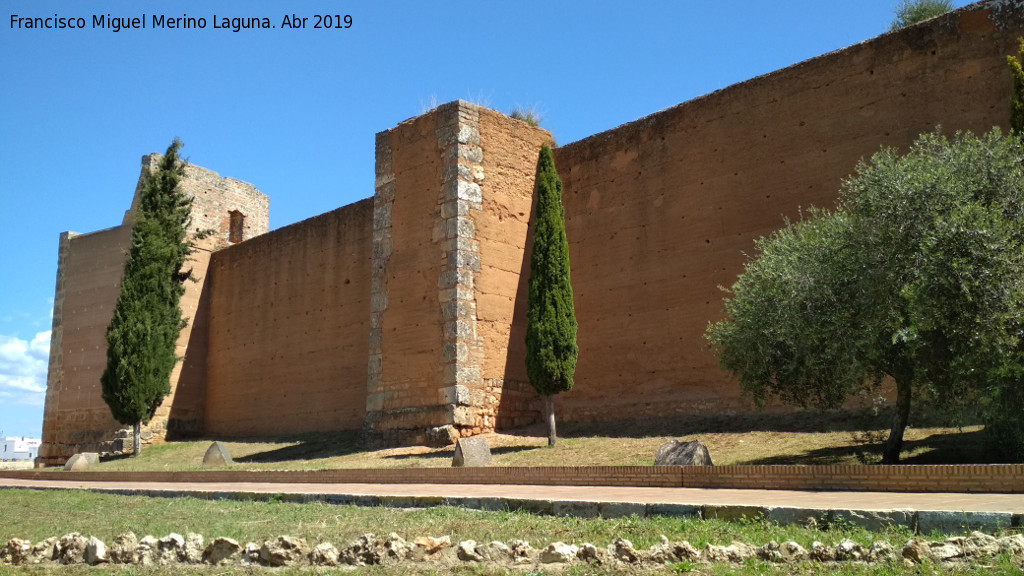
[13, 448]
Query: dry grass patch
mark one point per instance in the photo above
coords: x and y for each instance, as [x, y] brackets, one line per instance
[799, 439]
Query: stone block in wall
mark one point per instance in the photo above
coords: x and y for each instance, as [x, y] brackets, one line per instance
[457, 394]
[460, 415]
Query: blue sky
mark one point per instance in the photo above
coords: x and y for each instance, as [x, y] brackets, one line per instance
[294, 111]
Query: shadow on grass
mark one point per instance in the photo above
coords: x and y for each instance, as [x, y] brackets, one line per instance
[449, 453]
[944, 448]
[308, 447]
[802, 421]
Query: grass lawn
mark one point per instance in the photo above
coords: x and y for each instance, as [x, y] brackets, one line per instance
[757, 439]
[36, 515]
[840, 438]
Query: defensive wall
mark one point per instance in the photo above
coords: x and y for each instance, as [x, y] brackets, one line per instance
[89, 270]
[404, 314]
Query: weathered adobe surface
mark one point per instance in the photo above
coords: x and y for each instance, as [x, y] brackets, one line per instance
[76, 419]
[660, 212]
[287, 328]
[406, 395]
[502, 229]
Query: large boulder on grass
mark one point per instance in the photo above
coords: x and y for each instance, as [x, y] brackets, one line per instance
[82, 462]
[217, 456]
[472, 452]
[676, 453]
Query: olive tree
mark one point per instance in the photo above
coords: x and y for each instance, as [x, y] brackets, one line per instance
[918, 275]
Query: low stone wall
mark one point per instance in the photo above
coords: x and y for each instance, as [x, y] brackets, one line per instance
[390, 550]
[994, 478]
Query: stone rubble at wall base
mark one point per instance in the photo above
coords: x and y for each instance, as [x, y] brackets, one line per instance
[369, 549]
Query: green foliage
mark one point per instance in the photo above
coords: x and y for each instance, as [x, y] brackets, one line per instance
[551, 321]
[528, 115]
[909, 12]
[147, 319]
[918, 275]
[683, 566]
[1017, 100]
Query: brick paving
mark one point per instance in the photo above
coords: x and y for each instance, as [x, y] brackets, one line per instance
[960, 502]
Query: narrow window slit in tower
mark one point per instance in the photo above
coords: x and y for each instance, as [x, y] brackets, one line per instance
[237, 226]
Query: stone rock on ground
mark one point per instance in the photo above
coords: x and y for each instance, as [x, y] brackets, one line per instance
[122, 551]
[849, 550]
[737, 552]
[676, 453]
[368, 550]
[882, 552]
[432, 545]
[250, 553]
[17, 551]
[822, 553]
[788, 551]
[95, 551]
[977, 545]
[193, 551]
[499, 552]
[466, 551]
[472, 452]
[558, 553]
[71, 548]
[1012, 545]
[284, 551]
[623, 551]
[217, 456]
[324, 554]
[221, 551]
[522, 552]
[82, 462]
[170, 549]
[395, 549]
[917, 550]
[590, 553]
[44, 551]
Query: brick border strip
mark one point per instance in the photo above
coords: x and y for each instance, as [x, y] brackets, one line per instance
[985, 478]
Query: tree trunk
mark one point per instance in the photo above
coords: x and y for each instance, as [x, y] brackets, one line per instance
[136, 439]
[549, 405]
[894, 444]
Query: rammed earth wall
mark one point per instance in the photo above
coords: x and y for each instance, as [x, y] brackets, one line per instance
[404, 314]
[89, 269]
[660, 211]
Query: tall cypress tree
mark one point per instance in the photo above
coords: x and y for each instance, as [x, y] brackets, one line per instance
[551, 349]
[147, 319]
[1017, 100]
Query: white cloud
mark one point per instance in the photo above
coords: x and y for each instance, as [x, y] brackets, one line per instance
[23, 366]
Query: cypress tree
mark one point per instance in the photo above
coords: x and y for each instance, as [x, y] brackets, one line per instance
[147, 319]
[1017, 100]
[551, 349]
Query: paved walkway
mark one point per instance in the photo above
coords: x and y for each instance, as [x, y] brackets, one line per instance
[1010, 503]
[948, 512]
